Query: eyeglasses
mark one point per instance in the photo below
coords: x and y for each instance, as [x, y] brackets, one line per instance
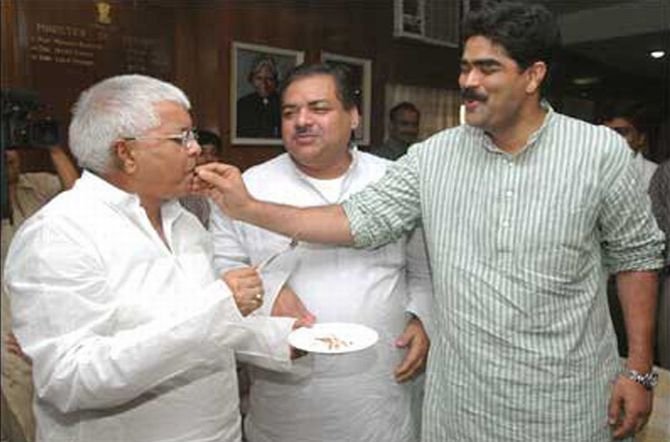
[185, 139]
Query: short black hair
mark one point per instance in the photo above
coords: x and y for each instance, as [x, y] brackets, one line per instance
[344, 88]
[403, 106]
[209, 137]
[528, 32]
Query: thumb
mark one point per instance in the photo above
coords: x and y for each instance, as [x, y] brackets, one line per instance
[304, 321]
[403, 340]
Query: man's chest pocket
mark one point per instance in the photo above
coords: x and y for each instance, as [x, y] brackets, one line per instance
[555, 239]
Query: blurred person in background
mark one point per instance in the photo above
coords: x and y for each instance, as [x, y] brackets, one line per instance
[27, 192]
[628, 120]
[404, 121]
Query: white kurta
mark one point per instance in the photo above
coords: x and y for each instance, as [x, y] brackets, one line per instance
[130, 340]
[352, 397]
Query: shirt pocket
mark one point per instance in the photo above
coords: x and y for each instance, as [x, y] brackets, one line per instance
[554, 241]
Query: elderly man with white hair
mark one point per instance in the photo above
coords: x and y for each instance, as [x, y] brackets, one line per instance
[132, 335]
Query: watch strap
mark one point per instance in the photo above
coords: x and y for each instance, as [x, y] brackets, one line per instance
[647, 380]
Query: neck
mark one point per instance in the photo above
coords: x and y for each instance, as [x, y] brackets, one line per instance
[151, 205]
[153, 209]
[333, 169]
[514, 136]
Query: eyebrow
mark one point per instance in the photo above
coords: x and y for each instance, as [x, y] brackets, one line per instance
[309, 104]
[484, 62]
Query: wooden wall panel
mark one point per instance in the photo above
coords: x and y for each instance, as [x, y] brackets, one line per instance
[58, 48]
[355, 28]
[65, 46]
[190, 41]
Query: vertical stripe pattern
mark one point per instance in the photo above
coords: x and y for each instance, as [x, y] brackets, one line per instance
[520, 247]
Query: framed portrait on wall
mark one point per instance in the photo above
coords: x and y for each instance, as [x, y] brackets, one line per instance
[361, 77]
[256, 72]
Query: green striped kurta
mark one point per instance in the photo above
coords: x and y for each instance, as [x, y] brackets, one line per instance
[519, 247]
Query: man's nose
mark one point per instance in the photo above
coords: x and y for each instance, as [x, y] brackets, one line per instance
[303, 118]
[194, 148]
[470, 79]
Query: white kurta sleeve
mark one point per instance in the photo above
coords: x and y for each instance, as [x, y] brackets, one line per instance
[419, 279]
[231, 251]
[66, 318]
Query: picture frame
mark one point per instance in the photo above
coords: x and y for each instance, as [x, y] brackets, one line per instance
[256, 72]
[361, 71]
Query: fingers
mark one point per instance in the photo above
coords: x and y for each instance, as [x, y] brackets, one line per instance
[629, 408]
[411, 365]
[305, 321]
[210, 175]
[415, 339]
[247, 288]
[297, 353]
[215, 173]
[216, 167]
[614, 409]
[629, 423]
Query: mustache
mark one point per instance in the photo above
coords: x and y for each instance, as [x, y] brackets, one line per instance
[304, 130]
[471, 94]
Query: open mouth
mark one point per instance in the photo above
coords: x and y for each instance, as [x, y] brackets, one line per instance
[471, 105]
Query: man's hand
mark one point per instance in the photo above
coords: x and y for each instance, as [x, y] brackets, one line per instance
[415, 339]
[223, 184]
[289, 304]
[247, 288]
[629, 407]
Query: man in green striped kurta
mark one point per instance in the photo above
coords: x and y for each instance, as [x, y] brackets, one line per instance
[524, 210]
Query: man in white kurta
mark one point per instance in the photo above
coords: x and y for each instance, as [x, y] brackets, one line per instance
[114, 298]
[348, 397]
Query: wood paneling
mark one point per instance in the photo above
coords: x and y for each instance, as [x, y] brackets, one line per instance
[193, 37]
[355, 28]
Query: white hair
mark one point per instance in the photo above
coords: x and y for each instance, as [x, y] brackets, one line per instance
[118, 107]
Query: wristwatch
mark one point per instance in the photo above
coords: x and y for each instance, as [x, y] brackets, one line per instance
[647, 380]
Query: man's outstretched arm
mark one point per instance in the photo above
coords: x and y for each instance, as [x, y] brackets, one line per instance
[223, 184]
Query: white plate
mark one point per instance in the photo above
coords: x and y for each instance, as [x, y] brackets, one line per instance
[333, 337]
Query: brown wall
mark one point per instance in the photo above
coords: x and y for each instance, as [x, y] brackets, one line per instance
[189, 42]
[58, 48]
[353, 28]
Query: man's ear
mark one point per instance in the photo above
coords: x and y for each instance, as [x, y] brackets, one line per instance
[536, 75]
[355, 118]
[125, 157]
